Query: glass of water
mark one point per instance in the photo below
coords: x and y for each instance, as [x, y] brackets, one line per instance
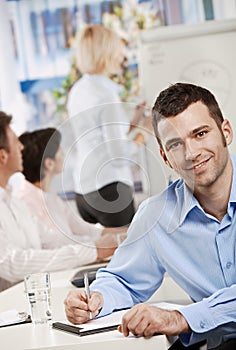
[38, 290]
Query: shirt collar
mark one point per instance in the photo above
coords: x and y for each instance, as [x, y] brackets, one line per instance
[185, 203]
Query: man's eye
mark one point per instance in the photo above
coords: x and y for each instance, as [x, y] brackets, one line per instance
[174, 145]
[201, 133]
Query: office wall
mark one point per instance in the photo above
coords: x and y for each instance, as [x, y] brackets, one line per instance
[203, 54]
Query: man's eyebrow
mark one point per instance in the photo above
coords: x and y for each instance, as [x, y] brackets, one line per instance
[195, 131]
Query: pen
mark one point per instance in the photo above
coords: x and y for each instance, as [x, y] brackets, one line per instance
[86, 285]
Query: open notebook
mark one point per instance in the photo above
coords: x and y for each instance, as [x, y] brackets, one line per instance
[103, 324]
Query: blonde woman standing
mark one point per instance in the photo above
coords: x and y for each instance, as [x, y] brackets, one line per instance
[105, 154]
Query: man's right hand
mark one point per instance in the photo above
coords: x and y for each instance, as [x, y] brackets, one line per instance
[77, 309]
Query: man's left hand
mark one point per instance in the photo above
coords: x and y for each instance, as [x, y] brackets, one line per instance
[147, 320]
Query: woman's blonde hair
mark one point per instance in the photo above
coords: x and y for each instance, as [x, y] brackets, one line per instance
[97, 48]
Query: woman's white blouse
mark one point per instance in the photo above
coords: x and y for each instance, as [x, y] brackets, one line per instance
[100, 125]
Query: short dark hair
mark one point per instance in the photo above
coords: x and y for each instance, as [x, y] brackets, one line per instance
[176, 98]
[38, 145]
[5, 121]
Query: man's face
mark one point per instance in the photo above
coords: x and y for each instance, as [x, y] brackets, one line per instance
[194, 146]
[14, 156]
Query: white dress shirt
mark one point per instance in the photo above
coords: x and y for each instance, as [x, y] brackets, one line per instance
[61, 220]
[100, 124]
[21, 249]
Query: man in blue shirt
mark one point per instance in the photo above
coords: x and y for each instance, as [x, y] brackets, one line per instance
[188, 231]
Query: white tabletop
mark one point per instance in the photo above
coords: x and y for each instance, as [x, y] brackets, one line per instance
[28, 336]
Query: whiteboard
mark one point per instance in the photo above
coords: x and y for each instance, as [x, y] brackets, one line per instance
[202, 54]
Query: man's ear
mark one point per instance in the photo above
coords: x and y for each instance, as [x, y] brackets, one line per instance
[227, 131]
[163, 156]
[3, 156]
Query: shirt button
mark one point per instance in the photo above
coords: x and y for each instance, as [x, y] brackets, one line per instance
[228, 265]
[202, 324]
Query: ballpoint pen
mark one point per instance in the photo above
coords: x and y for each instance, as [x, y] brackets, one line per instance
[86, 285]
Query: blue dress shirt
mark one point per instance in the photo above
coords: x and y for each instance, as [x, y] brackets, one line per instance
[172, 233]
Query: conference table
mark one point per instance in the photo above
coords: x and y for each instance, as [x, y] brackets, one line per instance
[29, 336]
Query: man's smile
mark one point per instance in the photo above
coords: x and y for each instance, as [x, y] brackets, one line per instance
[198, 166]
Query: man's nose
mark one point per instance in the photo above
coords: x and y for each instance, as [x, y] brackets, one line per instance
[191, 150]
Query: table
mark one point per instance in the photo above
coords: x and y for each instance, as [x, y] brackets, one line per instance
[28, 336]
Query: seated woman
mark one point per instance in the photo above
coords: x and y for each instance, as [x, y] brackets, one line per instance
[42, 160]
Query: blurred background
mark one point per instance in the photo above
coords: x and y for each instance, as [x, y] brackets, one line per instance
[37, 64]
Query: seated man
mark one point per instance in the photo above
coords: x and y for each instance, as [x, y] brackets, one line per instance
[21, 250]
[189, 231]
